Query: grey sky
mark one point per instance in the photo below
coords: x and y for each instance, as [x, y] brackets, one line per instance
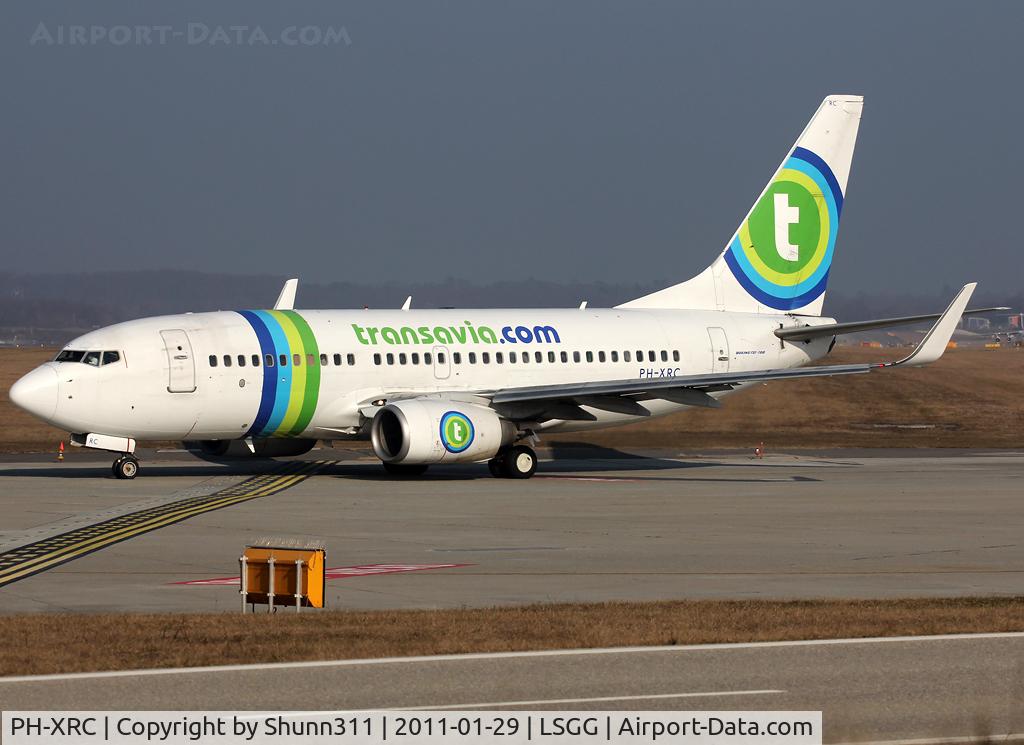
[558, 140]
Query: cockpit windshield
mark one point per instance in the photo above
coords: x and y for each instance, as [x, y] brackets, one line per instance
[94, 358]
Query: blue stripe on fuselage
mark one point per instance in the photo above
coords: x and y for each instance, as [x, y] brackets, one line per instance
[269, 391]
[283, 378]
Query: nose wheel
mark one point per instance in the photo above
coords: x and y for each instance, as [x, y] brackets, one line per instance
[517, 462]
[125, 467]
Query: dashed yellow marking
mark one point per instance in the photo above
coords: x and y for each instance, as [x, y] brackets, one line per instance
[24, 561]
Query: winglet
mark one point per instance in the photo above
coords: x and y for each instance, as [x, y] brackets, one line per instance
[935, 341]
[286, 300]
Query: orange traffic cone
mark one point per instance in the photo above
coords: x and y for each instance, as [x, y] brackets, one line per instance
[60, 452]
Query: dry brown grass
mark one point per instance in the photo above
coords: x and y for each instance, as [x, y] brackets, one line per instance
[39, 644]
[971, 398]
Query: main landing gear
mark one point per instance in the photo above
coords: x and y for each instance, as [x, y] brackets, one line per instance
[516, 462]
[125, 467]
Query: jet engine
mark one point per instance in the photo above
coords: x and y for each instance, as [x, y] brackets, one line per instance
[265, 448]
[424, 431]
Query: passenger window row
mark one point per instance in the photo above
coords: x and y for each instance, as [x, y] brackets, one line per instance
[297, 360]
[499, 358]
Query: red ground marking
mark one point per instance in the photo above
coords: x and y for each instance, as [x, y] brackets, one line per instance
[340, 572]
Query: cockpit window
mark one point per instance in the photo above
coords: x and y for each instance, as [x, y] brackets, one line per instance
[110, 358]
[69, 355]
[92, 358]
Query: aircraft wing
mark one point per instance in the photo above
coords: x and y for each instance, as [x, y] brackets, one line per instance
[806, 333]
[622, 395]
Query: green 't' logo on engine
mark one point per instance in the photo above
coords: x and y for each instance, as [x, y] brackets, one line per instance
[456, 432]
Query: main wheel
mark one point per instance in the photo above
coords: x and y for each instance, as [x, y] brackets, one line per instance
[405, 470]
[126, 467]
[496, 467]
[520, 462]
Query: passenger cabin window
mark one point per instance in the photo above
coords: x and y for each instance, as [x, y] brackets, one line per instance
[627, 356]
[538, 357]
[390, 358]
[296, 360]
[472, 358]
[427, 357]
[402, 359]
[499, 358]
[323, 360]
[351, 358]
[457, 358]
[255, 360]
[615, 356]
[311, 360]
[565, 356]
[600, 357]
[283, 359]
[440, 358]
[270, 360]
[213, 360]
[664, 356]
[675, 355]
[485, 357]
[376, 359]
[227, 360]
[590, 356]
[575, 356]
[651, 356]
[512, 357]
[109, 358]
[551, 356]
[69, 355]
[415, 358]
[241, 360]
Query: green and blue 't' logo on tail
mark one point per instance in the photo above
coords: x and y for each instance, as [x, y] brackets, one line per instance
[782, 252]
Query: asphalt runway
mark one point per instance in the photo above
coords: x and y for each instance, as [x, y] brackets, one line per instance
[585, 529]
[921, 688]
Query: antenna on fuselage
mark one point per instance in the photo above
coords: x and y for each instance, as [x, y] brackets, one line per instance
[407, 304]
[583, 305]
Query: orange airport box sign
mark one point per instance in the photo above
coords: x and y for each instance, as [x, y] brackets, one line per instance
[293, 576]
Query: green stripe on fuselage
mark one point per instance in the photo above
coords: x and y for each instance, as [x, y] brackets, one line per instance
[311, 383]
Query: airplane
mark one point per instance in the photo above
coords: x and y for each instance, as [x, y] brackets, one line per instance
[469, 386]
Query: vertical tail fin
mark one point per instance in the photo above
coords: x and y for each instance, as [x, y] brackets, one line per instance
[779, 258]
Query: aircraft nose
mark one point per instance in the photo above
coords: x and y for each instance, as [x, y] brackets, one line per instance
[36, 392]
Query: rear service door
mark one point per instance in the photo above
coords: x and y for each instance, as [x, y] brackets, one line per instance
[180, 363]
[719, 349]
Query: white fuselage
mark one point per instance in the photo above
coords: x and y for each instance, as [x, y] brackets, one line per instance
[171, 381]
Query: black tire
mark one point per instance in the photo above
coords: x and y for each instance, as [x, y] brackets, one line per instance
[520, 462]
[405, 470]
[126, 467]
[496, 467]
[114, 468]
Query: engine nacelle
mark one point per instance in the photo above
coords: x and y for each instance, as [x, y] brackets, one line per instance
[421, 431]
[265, 448]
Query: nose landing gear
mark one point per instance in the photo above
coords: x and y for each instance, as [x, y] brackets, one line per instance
[125, 467]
